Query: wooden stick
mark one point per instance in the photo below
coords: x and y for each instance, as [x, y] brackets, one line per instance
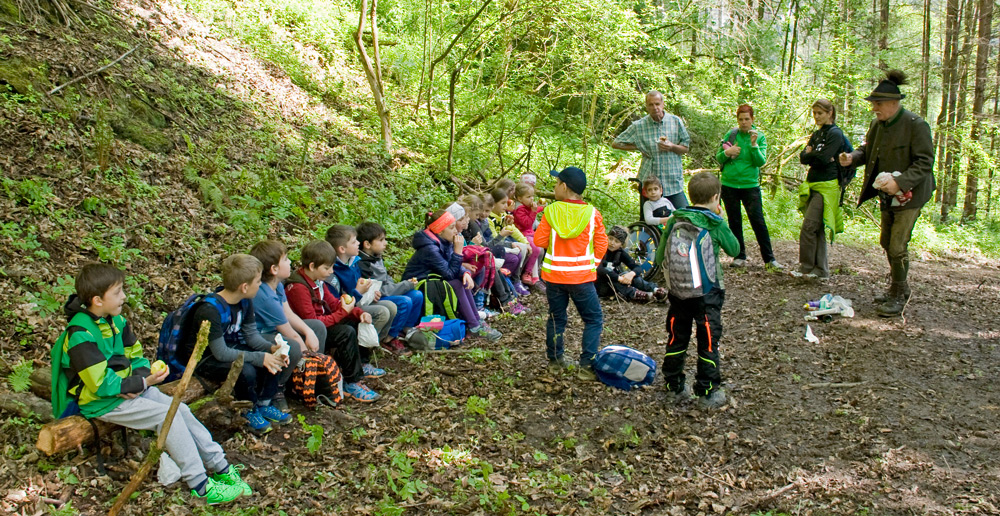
[225, 393]
[99, 70]
[156, 449]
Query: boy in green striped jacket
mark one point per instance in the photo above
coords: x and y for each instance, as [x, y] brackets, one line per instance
[99, 371]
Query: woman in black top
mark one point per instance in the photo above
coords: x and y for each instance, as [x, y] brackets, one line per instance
[822, 187]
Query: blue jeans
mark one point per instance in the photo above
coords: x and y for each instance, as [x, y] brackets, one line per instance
[409, 308]
[584, 296]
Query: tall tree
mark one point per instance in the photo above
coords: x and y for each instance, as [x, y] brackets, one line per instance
[949, 92]
[979, 99]
[374, 76]
[953, 154]
[925, 60]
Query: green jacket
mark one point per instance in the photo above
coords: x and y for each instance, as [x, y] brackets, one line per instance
[95, 360]
[902, 144]
[743, 171]
[722, 236]
[833, 215]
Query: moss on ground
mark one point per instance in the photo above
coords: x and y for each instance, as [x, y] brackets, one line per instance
[23, 74]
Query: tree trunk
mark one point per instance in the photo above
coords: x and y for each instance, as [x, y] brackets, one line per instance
[979, 99]
[795, 36]
[949, 92]
[374, 78]
[953, 157]
[451, 116]
[883, 31]
[925, 62]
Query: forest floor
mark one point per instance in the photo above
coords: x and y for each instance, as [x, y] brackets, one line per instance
[881, 416]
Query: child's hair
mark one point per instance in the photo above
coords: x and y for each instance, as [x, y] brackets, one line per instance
[488, 201]
[703, 186]
[499, 194]
[269, 252]
[465, 206]
[471, 201]
[239, 269]
[368, 232]
[523, 189]
[505, 185]
[651, 180]
[618, 233]
[745, 108]
[827, 106]
[95, 279]
[339, 235]
[318, 253]
[432, 216]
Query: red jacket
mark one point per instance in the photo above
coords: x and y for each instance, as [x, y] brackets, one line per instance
[304, 299]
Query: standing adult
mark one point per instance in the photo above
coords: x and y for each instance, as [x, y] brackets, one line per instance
[899, 144]
[741, 153]
[662, 139]
[819, 195]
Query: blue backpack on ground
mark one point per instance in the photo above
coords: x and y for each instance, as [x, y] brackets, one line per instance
[442, 333]
[173, 329]
[624, 368]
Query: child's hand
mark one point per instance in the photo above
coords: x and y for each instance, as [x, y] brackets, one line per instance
[157, 378]
[626, 279]
[478, 239]
[366, 318]
[505, 232]
[470, 267]
[467, 281]
[414, 281]
[347, 303]
[312, 342]
[363, 285]
[377, 295]
[274, 363]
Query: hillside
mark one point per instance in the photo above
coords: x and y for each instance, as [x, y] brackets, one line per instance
[192, 143]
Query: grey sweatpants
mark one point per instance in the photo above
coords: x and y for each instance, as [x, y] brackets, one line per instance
[189, 443]
[383, 312]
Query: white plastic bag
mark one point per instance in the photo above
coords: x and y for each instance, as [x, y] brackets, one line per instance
[367, 336]
[168, 472]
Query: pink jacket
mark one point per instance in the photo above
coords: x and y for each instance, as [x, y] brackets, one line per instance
[524, 219]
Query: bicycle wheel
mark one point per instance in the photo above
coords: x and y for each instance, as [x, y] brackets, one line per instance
[641, 246]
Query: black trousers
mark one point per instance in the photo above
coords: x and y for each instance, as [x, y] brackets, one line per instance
[255, 384]
[751, 201]
[706, 314]
[342, 345]
[606, 287]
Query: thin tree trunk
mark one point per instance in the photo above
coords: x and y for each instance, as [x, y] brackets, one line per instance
[451, 116]
[795, 36]
[949, 92]
[430, 73]
[979, 99]
[953, 156]
[883, 31]
[993, 141]
[925, 63]
[373, 78]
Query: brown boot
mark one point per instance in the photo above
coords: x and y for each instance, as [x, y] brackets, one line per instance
[895, 304]
[641, 296]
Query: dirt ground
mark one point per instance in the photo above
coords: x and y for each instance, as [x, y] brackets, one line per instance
[881, 416]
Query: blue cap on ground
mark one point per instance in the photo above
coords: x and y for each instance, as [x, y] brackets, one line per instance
[574, 178]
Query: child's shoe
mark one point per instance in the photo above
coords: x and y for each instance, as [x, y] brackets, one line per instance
[641, 296]
[360, 392]
[394, 346]
[516, 308]
[256, 422]
[218, 492]
[486, 332]
[489, 313]
[586, 373]
[526, 279]
[371, 371]
[520, 290]
[272, 414]
[231, 477]
[557, 365]
[539, 285]
[714, 400]
[279, 400]
[660, 294]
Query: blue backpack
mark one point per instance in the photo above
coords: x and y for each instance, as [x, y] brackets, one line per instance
[623, 367]
[442, 333]
[173, 328]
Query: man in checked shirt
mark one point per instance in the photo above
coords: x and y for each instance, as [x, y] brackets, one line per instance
[662, 139]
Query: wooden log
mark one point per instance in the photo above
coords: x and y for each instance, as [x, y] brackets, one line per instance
[26, 405]
[70, 432]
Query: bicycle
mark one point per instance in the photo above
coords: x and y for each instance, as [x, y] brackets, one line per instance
[642, 241]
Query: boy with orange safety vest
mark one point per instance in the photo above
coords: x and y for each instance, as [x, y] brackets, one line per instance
[572, 233]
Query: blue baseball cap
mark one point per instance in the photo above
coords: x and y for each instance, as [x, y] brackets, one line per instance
[574, 178]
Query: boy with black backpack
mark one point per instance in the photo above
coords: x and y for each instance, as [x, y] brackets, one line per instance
[689, 252]
[99, 372]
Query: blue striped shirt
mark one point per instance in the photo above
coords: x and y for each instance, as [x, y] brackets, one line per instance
[667, 166]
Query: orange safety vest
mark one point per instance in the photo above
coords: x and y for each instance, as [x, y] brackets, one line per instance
[575, 260]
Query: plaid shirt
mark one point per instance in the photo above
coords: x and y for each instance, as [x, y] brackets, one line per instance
[668, 167]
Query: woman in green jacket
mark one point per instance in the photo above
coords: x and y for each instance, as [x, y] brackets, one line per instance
[741, 153]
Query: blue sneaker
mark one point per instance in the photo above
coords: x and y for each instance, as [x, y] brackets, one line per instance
[256, 422]
[272, 414]
[371, 371]
[360, 392]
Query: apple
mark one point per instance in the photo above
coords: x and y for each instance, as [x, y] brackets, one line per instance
[158, 367]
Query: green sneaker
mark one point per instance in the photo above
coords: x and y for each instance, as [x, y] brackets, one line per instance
[232, 478]
[217, 492]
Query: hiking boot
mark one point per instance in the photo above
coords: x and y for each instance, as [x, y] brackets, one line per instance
[893, 306]
[714, 400]
[660, 294]
[272, 414]
[682, 395]
[218, 492]
[889, 294]
[371, 371]
[256, 422]
[557, 365]
[586, 373]
[540, 286]
[738, 262]
[641, 296]
[232, 478]
[360, 392]
[774, 265]
[486, 332]
[279, 400]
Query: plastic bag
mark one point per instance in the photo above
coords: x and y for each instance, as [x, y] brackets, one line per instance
[367, 336]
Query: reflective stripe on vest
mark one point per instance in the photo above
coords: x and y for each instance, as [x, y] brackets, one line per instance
[555, 262]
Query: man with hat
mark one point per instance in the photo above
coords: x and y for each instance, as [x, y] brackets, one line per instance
[899, 144]
[572, 233]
